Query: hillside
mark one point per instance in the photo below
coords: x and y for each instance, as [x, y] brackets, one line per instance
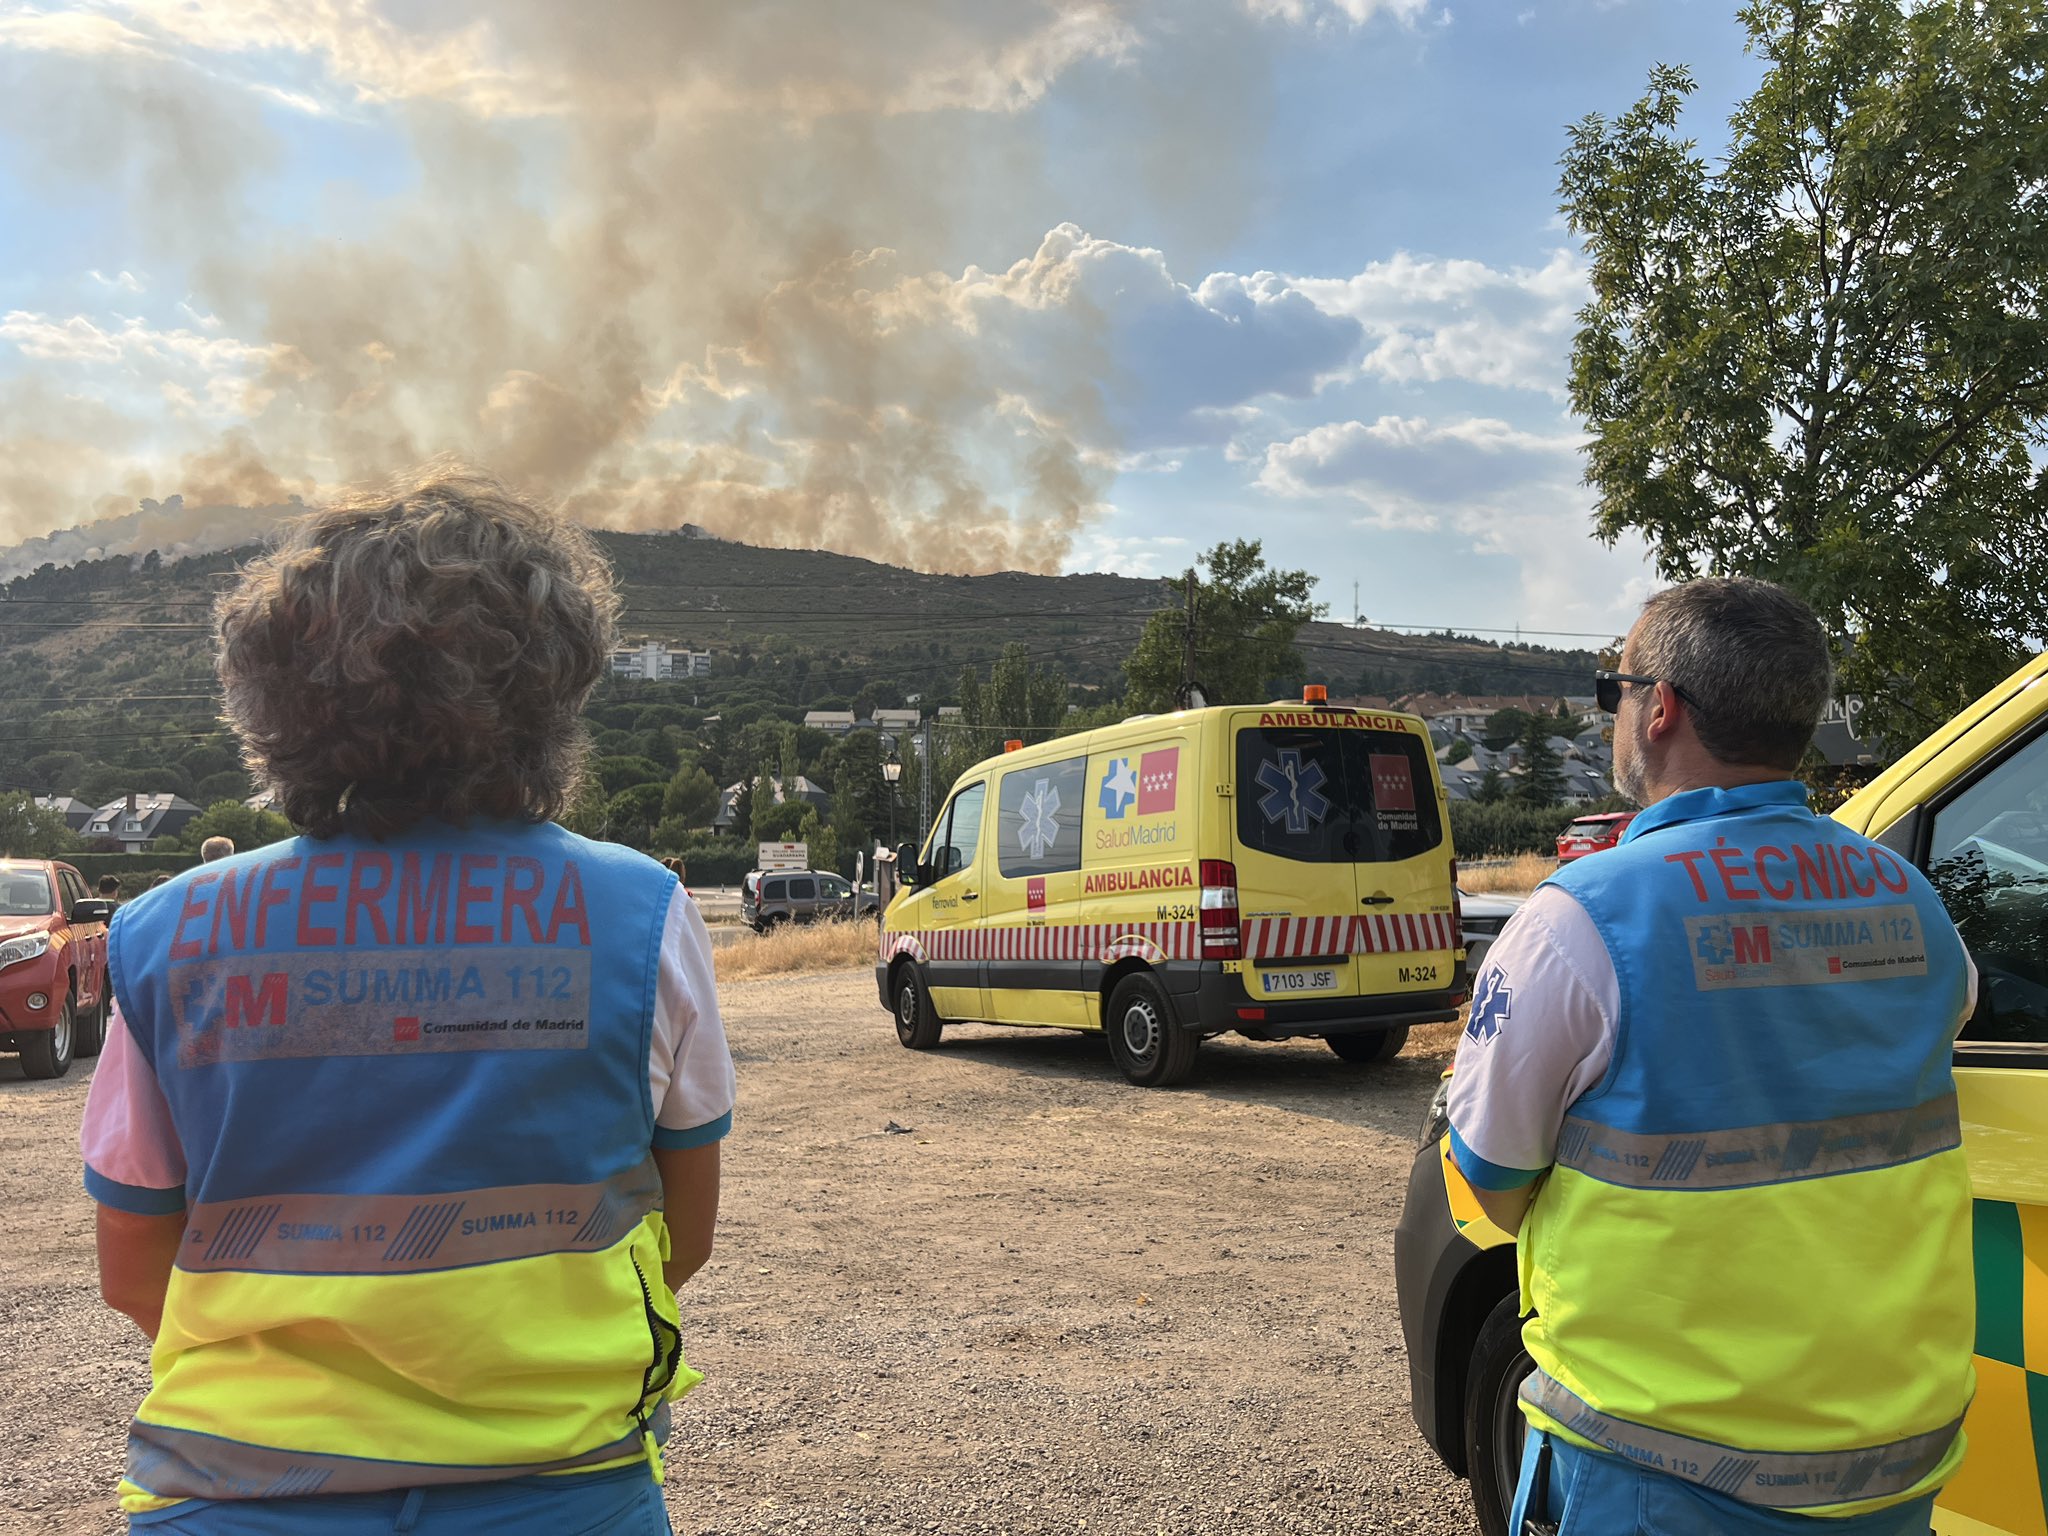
[105, 665]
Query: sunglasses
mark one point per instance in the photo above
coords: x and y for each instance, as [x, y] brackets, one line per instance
[1607, 689]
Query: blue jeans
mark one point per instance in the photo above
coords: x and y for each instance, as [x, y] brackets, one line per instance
[626, 1502]
[1595, 1494]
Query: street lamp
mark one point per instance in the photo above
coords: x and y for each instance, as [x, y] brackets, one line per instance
[892, 770]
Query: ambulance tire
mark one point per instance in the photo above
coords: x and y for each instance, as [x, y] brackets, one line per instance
[917, 1026]
[1368, 1047]
[1148, 1047]
[1494, 1427]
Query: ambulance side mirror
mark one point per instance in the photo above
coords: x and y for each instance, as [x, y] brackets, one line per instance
[908, 870]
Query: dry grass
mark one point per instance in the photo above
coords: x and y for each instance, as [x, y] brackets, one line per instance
[1517, 877]
[791, 951]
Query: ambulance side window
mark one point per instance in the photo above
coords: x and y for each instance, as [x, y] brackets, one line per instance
[954, 851]
[1988, 857]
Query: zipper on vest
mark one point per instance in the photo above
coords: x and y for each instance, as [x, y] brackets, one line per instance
[668, 1353]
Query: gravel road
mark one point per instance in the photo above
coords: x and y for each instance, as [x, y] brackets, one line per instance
[1053, 1303]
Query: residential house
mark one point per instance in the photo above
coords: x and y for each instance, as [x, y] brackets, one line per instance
[812, 794]
[833, 722]
[135, 821]
[656, 661]
[76, 812]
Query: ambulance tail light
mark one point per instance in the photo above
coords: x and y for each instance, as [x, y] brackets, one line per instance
[1220, 939]
[1457, 910]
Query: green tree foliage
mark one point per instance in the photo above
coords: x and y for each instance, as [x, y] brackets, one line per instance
[235, 821]
[691, 797]
[1019, 702]
[1507, 827]
[27, 831]
[1460, 749]
[1246, 618]
[1504, 726]
[1822, 359]
[633, 812]
[617, 773]
[1542, 777]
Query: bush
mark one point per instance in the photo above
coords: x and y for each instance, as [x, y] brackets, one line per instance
[1506, 828]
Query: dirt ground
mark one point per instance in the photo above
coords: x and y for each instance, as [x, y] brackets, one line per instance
[1052, 1303]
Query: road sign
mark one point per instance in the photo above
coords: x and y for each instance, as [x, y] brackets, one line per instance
[784, 856]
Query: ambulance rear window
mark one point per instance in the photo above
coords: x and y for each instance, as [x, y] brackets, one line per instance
[1335, 794]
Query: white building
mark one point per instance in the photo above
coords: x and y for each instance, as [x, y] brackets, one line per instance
[656, 661]
[835, 722]
[896, 721]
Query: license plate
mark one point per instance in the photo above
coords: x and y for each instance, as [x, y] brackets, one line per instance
[1323, 980]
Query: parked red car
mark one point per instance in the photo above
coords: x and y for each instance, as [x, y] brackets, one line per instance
[54, 997]
[1592, 834]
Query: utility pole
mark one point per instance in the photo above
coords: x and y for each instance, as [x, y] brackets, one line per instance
[924, 781]
[1189, 695]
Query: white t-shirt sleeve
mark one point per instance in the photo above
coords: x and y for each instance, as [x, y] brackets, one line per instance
[1540, 1034]
[689, 1068]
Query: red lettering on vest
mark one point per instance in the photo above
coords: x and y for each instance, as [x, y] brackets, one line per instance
[275, 893]
[1775, 891]
[195, 906]
[1690, 859]
[569, 909]
[520, 895]
[312, 893]
[1753, 945]
[419, 902]
[232, 904]
[247, 1007]
[468, 892]
[365, 895]
[1865, 886]
[1731, 866]
[1813, 873]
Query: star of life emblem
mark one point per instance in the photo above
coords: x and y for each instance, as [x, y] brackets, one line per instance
[1294, 791]
[1040, 815]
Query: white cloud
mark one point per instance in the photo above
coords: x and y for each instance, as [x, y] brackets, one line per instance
[1356, 13]
[1410, 470]
[127, 282]
[193, 373]
[1429, 320]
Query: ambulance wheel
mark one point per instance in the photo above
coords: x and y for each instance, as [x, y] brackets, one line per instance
[1495, 1430]
[47, 1052]
[917, 1026]
[92, 1029]
[1369, 1046]
[1142, 1036]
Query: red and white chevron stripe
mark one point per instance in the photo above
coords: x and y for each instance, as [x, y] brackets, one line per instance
[1270, 938]
[1265, 938]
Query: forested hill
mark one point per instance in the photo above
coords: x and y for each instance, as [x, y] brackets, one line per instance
[105, 665]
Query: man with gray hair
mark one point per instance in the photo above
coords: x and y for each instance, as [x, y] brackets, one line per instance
[1706, 1079]
[216, 848]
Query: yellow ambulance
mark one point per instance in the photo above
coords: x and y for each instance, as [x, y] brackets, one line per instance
[1969, 805]
[1276, 870]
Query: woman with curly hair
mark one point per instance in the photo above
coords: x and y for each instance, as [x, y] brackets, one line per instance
[407, 1129]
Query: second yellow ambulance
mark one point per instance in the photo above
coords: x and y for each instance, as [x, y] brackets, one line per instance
[1276, 870]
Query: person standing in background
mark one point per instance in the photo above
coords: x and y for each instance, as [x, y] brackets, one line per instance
[408, 1128]
[216, 848]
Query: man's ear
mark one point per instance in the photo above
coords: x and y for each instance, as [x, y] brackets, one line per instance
[1664, 708]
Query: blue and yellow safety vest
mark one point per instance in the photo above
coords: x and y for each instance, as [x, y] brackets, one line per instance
[1750, 1265]
[424, 1241]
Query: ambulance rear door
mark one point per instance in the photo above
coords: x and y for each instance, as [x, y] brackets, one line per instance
[1032, 900]
[1343, 864]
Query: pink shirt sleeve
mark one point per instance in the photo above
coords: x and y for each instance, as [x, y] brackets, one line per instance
[133, 1161]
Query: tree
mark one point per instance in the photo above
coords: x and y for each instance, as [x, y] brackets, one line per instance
[1460, 749]
[1822, 360]
[27, 831]
[1542, 781]
[1246, 618]
[1504, 726]
[231, 819]
[1492, 787]
[691, 797]
[632, 813]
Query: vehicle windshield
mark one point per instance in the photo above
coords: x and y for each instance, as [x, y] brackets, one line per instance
[1336, 794]
[25, 893]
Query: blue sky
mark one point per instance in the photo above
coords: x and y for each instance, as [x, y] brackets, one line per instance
[1079, 285]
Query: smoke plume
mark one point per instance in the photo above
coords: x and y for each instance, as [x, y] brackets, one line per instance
[660, 261]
